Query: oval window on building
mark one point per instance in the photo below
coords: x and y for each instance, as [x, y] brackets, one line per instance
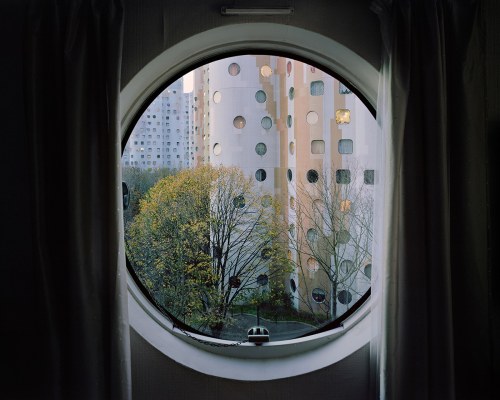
[312, 117]
[312, 176]
[260, 96]
[266, 71]
[343, 236]
[368, 270]
[266, 123]
[233, 69]
[266, 201]
[318, 295]
[239, 122]
[260, 175]
[217, 97]
[217, 210]
[346, 266]
[344, 297]
[312, 235]
[260, 149]
[312, 264]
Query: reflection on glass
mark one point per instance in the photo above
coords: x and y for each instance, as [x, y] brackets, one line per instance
[214, 235]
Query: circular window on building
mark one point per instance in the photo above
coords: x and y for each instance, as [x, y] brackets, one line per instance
[346, 266]
[368, 271]
[217, 97]
[312, 176]
[217, 149]
[239, 122]
[344, 297]
[266, 71]
[266, 123]
[229, 235]
[343, 236]
[318, 295]
[312, 235]
[239, 201]
[260, 149]
[312, 264]
[262, 280]
[266, 253]
[260, 96]
[260, 175]
[266, 201]
[312, 117]
[233, 69]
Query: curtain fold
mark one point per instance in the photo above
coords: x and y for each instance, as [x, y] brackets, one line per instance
[413, 350]
[72, 86]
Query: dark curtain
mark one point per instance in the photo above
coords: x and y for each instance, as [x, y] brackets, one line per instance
[433, 270]
[72, 82]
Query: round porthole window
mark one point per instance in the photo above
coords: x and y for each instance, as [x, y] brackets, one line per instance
[312, 117]
[239, 201]
[260, 96]
[215, 211]
[343, 236]
[266, 200]
[266, 71]
[266, 123]
[346, 266]
[312, 176]
[260, 149]
[217, 97]
[318, 295]
[262, 280]
[233, 69]
[260, 175]
[217, 149]
[312, 264]
[239, 122]
[368, 270]
[344, 297]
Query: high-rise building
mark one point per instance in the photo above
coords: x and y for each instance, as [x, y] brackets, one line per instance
[163, 136]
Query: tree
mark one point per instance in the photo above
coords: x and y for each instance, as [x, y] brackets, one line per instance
[139, 181]
[333, 235]
[202, 240]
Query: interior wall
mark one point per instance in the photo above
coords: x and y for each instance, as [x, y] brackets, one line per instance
[156, 377]
[152, 26]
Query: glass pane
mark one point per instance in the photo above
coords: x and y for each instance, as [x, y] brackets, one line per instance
[230, 207]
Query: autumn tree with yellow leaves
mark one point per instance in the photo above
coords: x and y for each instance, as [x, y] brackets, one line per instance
[205, 239]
